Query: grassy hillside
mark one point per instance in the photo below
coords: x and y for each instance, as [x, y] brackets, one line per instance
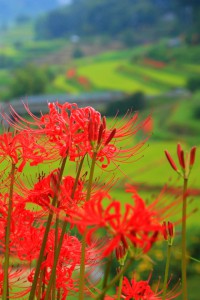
[131, 71]
[153, 68]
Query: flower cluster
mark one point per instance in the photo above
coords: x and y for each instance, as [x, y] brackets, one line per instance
[63, 225]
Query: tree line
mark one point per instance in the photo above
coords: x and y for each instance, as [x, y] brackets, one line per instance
[114, 18]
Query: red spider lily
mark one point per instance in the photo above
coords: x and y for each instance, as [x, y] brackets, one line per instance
[66, 189]
[27, 229]
[20, 148]
[44, 191]
[141, 290]
[137, 226]
[137, 290]
[69, 260]
[77, 131]
[68, 263]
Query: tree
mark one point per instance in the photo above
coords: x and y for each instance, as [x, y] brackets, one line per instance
[28, 81]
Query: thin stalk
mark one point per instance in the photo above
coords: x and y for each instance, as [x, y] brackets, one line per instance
[82, 266]
[116, 278]
[107, 271]
[57, 251]
[120, 287]
[89, 188]
[44, 241]
[183, 244]
[166, 271]
[5, 294]
[43, 284]
[58, 294]
[40, 284]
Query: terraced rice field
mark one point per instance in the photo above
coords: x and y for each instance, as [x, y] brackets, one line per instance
[111, 71]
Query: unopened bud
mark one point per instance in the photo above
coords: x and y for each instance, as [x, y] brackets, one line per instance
[180, 155]
[100, 134]
[121, 253]
[164, 230]
[168, 232]
[192, 155]
[90, 131]
[170, 160]
[111, 136]
[104, 122]
[170, 229]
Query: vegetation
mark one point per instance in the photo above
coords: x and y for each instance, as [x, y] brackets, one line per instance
[28, 81]
[102, 18]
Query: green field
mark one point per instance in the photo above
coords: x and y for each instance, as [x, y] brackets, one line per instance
[122, 70]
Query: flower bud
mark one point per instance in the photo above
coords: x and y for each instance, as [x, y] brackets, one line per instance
[111, 136]
[180, 155]
[168, 232]
[170, 160]
[192, 155]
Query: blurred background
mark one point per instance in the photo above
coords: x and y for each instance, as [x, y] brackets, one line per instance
[114, 55]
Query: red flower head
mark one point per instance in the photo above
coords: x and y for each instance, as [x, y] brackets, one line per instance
[45, 189]
[77, 131]
[138, 226]
[20, 148]
[141, 290]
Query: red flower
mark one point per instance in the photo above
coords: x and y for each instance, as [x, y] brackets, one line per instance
[137, 226]
[45, 189]
[141, 290]
[20, 148]
[137, 290]
[77, 131]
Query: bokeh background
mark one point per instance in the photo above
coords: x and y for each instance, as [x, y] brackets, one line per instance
[114, 55]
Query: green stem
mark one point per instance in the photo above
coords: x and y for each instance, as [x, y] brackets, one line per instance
[43, 283]
[183, 244]
[44, 241]
[116, 278]
[120, 287]
[166, 272]
[57, 250]
[5, 294]
[82, 266]
[91, 177]
[40, 284]
[58, 294]
[107, 271]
